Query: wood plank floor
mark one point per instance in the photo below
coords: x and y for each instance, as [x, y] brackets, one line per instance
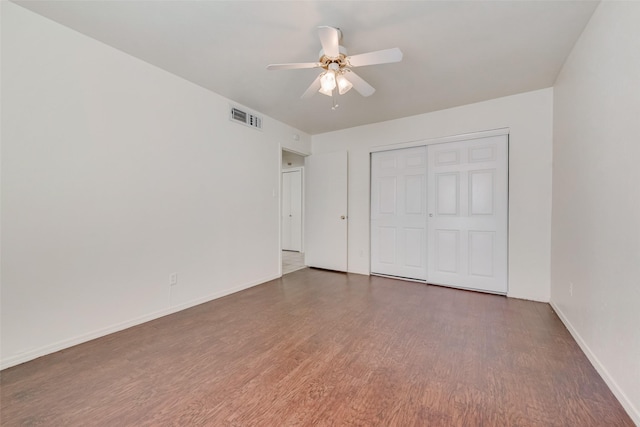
[323, 348]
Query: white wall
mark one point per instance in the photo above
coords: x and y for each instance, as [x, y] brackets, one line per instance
[595, 241]
[529, 118]
[116, 174]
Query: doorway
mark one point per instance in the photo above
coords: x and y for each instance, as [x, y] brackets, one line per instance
[292, 212]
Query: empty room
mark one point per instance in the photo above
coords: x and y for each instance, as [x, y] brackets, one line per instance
[278, 213]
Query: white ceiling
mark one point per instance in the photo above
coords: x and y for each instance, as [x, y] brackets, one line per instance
[455, 52]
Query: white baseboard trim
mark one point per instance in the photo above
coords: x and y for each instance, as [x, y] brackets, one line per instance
[626, 403]
[528, 297]
[61, 345]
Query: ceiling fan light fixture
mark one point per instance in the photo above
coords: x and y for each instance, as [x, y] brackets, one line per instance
[328, 82]
[344, 85]
[328, 92]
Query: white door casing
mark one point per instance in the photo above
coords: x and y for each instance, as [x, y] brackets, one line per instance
[468, 214]
[292, 210]
[398, 213]
[326, 210]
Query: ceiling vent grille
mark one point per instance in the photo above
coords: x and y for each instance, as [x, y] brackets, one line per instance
[245, 118]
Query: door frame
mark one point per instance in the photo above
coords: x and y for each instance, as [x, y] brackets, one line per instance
[277, 193]
[434, 141]
[440, 140]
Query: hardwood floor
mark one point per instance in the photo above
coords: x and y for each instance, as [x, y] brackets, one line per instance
[323, 348]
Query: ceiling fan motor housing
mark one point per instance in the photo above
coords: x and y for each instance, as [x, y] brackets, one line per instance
[340, 60]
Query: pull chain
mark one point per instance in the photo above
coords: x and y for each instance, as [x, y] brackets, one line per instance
[333, 98]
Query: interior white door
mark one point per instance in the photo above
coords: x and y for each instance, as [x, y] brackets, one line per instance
[468, 207]
[292, 210]
[398, 213]
[326, 211]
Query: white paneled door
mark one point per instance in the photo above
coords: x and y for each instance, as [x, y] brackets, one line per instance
[292, 210]
[326, 211]
[439, 213]
[468, 207]
[398, 213]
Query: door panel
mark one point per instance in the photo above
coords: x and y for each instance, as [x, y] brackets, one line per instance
[468, 219]
[387, 195]
[481, 253]
[413, 242]
[292, 210]
[326, 211]
[398, 213]
[481, 189]
[447, 194]
[414, 187]
[447, 244]
[388, 244]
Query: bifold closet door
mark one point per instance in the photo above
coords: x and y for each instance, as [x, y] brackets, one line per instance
[467, 224]
[398, 213]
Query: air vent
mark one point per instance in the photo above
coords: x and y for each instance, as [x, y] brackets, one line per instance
[245, 118]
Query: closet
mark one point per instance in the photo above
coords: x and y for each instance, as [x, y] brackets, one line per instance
[439, 213]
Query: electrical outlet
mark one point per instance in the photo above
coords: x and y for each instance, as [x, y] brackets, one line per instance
[570, 288]
[173, 279]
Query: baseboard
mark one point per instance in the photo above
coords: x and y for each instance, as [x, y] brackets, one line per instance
[223, 293]
[626, 403]
[528, 298]
[61, 345]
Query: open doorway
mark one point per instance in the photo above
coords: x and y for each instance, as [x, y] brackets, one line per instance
[292, 217]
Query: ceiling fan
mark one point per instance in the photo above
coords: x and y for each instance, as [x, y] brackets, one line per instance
[338, 74]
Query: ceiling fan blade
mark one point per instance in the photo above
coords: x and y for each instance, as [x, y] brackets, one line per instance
[330, 40]
[293, 66]
[378, 57]
[363, 88]
[311, 90]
